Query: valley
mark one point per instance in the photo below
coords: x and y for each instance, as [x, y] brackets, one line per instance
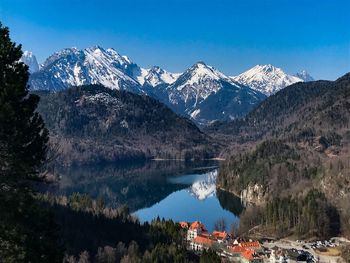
[283, 138]
[279, 160]
[102, 160]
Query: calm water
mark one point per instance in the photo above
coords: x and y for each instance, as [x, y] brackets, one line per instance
[170, 190]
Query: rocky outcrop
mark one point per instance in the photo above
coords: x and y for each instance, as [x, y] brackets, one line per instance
[253, 194]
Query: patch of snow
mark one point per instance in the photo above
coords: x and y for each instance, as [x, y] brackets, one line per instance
[103, 98]
[205, 188]
[156, 76]
[94, 65]
[30, 60]
[266, 79]
[195, 113]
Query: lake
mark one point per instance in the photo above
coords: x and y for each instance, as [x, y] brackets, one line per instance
[168, 189]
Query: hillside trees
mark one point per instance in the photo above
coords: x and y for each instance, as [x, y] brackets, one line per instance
[309, 215]
[27, 233]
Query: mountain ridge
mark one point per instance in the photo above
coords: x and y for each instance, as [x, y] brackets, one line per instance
[267, 79]
[206, 95]
[201, 93]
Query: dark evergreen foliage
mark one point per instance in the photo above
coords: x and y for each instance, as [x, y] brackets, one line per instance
[294, 141]
[94, 124]
[23, 137]
[209, 256]
[27, 232]
[311, 215]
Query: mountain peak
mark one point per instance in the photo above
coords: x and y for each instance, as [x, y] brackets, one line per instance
[156, 75]
[201, 71]
[96, 47]
[200, 63]
[267, 68]
[30, 60]
[304, 75]
[156, 69]
[92, 65]
[267, 79]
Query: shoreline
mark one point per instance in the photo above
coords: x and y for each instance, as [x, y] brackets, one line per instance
[182, 160]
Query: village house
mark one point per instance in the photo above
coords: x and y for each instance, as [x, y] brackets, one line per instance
[200, 243]
[247, 251]
[254, 245]
[245, 254]
[250, 256]
[195, 229]
[220, 237]
[199, 239]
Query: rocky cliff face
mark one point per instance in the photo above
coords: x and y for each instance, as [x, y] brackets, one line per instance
[253, 194]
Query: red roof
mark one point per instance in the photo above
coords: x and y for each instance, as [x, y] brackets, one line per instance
[248, 254]
[196, 225]
[220, 235]
[237, 249]
[254, 244]
[203, 240]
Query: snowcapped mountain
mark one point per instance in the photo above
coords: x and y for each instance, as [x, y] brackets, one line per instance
[156, 76]
[196, 84]
[95, 65]
[266, 79]
[30, 60]
[205, 188]
[202, 92]
[206, 94]
[193, 86]
[304, 75]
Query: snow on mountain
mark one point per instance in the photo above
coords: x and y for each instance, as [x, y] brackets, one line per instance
[202, 92]
[156, 76]
[206, 94]
[95, 65]
[304, 75]
[30, 60]
[196, 84]
[205, 188]
[266, 79]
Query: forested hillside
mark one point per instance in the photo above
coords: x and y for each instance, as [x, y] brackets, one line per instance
[293, 108]
[95, 124]
[44, 228]
[295, 142]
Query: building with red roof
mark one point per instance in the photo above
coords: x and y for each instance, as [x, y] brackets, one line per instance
[195, 229]
[247, 255]
[201, 242]
[237, 249]
[255, 245]
[220, 236]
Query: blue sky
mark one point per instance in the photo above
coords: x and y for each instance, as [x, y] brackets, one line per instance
[227, 34]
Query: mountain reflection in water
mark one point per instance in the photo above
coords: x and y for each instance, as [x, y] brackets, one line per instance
[169, 189]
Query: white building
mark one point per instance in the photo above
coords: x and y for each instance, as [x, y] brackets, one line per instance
[195, 229]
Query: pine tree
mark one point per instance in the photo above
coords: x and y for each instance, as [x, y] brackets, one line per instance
[27, 231]
[23, 137]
